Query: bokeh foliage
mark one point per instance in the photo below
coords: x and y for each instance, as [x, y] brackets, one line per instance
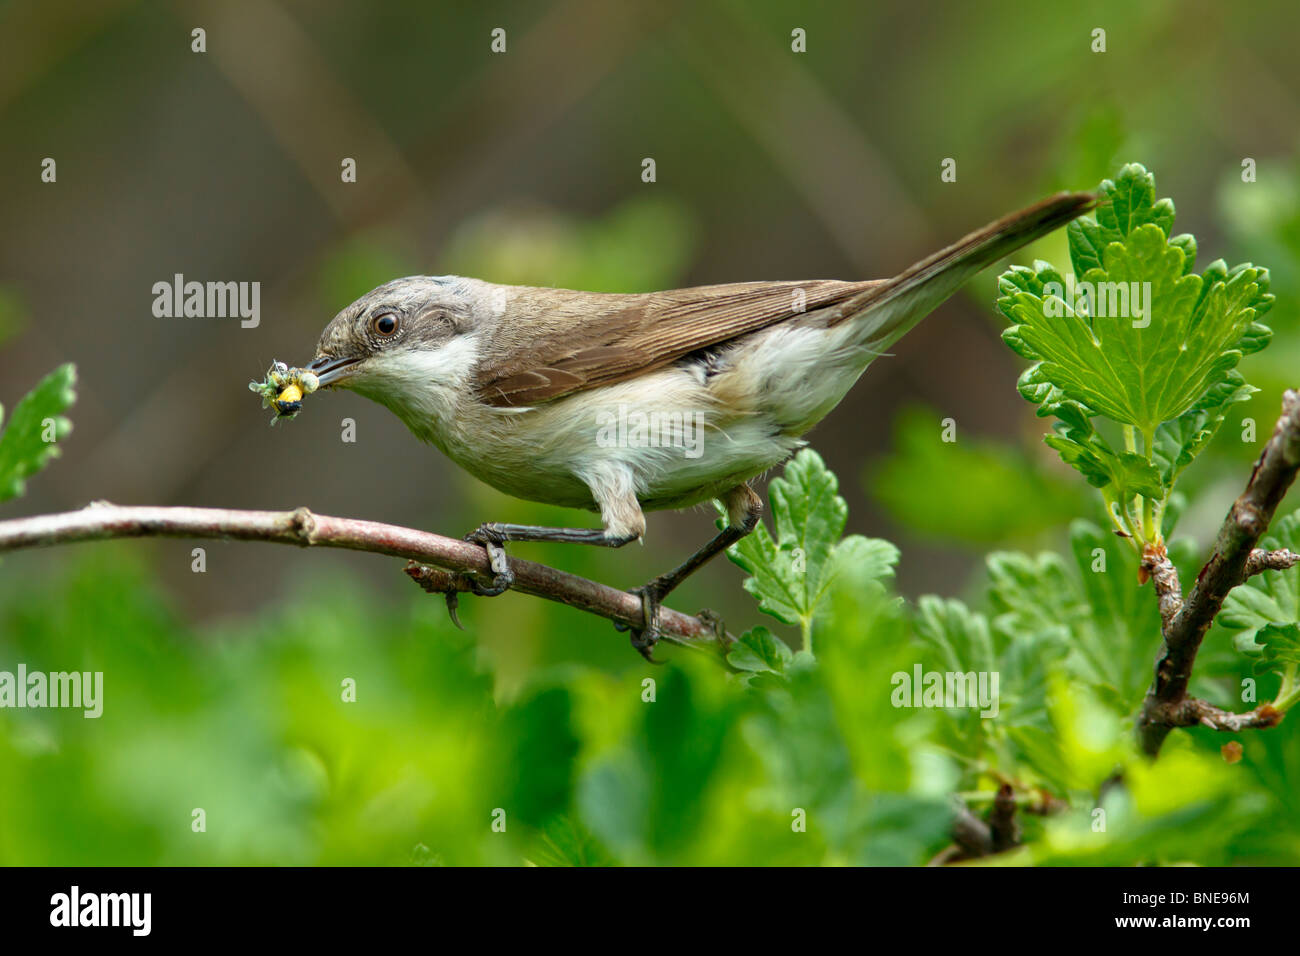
[248, 721]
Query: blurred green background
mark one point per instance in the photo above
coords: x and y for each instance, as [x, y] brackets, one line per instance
[223, 687]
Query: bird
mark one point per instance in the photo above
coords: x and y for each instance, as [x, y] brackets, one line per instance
[624, 403]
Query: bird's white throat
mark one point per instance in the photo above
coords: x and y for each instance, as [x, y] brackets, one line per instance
[422, 387]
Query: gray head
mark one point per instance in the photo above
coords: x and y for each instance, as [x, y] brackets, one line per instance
[409, 344]
[417, 312]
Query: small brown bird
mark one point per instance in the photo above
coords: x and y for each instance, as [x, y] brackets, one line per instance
[622, 404]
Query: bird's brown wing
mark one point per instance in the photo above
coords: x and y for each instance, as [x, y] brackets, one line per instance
[588, 340]
[563, 342]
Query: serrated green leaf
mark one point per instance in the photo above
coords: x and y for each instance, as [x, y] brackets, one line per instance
[1090, 456]
[958, 641]
[808, 512]
[24, 449]
[958, 636]
[1134, 475]
[1028, 593]
[1266, 609]
[1128, 202]
[789, 574]
[1275, 646]
[1177, 443]
[1172, 371]
[1137, 376]
[1021, 646]
[759, 650]
[872, 560]
[1250, 607]
[1084, 449]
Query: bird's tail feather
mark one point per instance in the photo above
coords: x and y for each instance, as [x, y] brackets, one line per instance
[894, 306]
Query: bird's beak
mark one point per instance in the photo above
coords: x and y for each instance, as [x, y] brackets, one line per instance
[330, 370]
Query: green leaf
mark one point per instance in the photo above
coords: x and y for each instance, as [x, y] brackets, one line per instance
[1178, 442]
[958, 642]
[1141, 375]
[1085, 450]
[1082, 447]
[1032, 595]
[1128, 203]
[1022, 645]
[24, 448]
[958, 636]
[1115, 627]
[1275, 646]
[1266, 609]
[566, 842]
[1250, 607]
[759, 650]
[1094, 352]
[871, 561]
[789, 574]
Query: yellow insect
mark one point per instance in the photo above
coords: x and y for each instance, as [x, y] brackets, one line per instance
[289, 401]
[283, 388]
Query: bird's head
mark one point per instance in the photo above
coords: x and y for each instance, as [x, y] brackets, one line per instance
[411, 344]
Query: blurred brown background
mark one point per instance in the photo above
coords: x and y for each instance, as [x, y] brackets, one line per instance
[526, 167]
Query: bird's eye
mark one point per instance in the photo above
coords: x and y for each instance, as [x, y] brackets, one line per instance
[384, 324]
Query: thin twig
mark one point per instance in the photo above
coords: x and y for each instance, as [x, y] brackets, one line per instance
[1003, 827]
[1234, 559]
[1261, 561]
[974, 838]
[1191, 711]
[101, 521]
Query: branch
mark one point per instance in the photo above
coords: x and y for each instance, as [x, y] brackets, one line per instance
[971, 836]
[1164, 578]
[1191, 711]
[456, 558]
[974, 838]
[1261, 561]
[1234, 559]
[1002, 820]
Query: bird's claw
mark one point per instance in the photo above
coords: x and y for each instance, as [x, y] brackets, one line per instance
[453, 602]
[502, 577]
[643, 642]
[645, 637]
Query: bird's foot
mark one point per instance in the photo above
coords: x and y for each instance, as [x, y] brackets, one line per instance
[502, 577]
[645, 637]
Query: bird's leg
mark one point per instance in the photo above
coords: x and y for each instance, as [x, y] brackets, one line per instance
[612, 491]
[492, 536]
[743, 510]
